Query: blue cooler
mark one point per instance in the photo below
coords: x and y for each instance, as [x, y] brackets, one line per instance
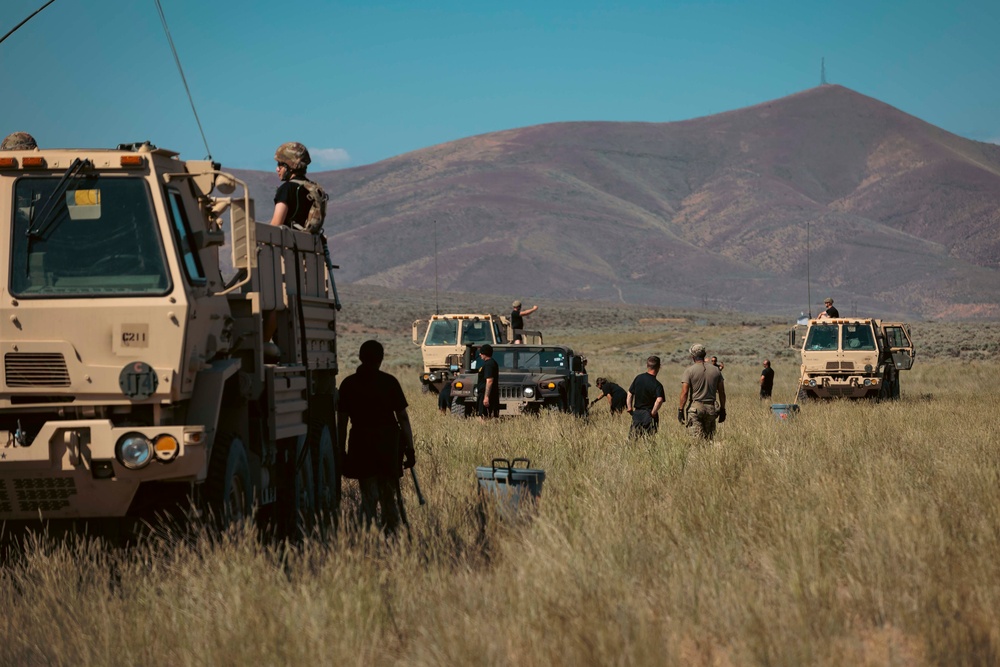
[784, 411]
[508, 485]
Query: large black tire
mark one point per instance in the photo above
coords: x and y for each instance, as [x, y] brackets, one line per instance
[327, 477]
[302, 505]
[228, 488]
[460, 409]
[424, 388]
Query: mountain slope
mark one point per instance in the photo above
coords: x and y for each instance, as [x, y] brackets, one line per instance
[902, 217]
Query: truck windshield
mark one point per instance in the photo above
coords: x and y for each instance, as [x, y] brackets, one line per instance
[822, 337]
[99, 240]
[442, 332]
[858, 337]
[476, 332]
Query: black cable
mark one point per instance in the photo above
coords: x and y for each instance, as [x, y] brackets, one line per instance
[166, 30]
[15, 28]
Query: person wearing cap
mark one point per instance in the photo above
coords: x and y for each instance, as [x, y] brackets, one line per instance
[617, 397]
[18, 141]
[643, 400]
[517, 319]
[830, 312]
[487, 384]
[700, 385]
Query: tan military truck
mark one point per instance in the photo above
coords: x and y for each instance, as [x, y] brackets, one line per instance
[446, 337]
[134, 376]
[854, 358]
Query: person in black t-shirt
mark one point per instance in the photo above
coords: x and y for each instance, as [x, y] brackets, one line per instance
[830, 311]
[291, 201]
[381, 443]
[766, 380]
[617, 396]
[517, 320]
[644, 398]
[488, 384]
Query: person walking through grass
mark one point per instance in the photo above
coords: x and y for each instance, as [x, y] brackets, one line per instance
[700, 385]
[643, 400]
[766, 380]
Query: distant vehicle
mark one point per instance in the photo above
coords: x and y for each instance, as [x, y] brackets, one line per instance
[532, 377]
[854, 358]
[134, 376]
[447, 337]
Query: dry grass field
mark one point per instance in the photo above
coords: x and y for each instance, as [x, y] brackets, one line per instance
[856, 534]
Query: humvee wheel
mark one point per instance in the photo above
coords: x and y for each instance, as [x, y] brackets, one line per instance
[227, 487]
[460, 409]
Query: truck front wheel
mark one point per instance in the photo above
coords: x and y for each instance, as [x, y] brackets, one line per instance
[228, 486]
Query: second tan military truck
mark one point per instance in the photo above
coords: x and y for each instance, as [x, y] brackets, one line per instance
[854, 358]
[134, 376]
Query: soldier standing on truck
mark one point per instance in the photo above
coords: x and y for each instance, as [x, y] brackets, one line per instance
[700, 384]
[517, 320]
[643, 400]
[381, 437]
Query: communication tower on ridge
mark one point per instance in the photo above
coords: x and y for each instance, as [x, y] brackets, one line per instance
[822, 71]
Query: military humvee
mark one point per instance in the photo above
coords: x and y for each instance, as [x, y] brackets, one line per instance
[854, 358]
[447, 337]
[133, 374]
[532, 377]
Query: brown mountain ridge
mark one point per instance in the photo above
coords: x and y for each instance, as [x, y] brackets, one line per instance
[901, 216]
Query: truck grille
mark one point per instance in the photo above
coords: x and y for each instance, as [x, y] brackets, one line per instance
[45, 495]
[510, 392]
[35, 369]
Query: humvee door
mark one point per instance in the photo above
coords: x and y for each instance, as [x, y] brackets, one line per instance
[900, 345]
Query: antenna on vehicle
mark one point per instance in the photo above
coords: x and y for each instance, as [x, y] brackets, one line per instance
[822, 71]
[166, 30]
[809, 299]
[15, 28]
[437, 307]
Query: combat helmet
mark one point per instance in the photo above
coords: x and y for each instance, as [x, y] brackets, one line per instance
[18, 141]
[294, 154]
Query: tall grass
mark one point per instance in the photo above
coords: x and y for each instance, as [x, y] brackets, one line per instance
[855, 534]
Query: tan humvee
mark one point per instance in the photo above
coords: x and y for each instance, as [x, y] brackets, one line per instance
[447, 336]
[132, 373]
[854, 358]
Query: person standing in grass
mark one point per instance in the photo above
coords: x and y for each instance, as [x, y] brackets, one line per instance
[766, 380]
[488, 384]
[643, 400]
[700, 385]
[381, 437]
[617, 397]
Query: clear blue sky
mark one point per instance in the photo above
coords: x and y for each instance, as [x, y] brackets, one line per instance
[359, 82]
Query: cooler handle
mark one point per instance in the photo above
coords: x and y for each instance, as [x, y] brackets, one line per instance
[527, 463]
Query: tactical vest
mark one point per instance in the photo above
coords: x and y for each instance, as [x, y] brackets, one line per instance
[317, 205]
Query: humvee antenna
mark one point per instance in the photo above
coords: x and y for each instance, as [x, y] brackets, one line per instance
[170, 40]
[15, 28]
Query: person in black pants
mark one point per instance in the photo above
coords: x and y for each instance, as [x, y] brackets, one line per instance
[617, 396]
[766, 380]
[488, 384]
[643, 400]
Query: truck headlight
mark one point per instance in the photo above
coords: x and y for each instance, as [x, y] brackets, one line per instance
[432, 377]
[134, 451]
[812, 383]
[868, 382]
[529, 392]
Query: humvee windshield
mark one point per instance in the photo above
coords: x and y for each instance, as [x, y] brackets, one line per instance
[530, 359]
[100, 239]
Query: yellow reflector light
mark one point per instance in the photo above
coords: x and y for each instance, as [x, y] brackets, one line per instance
[132, 161]
[33, 162]
[8, 162]
[166, 447]
[550, 385]
[194, 437]
[458, 384]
